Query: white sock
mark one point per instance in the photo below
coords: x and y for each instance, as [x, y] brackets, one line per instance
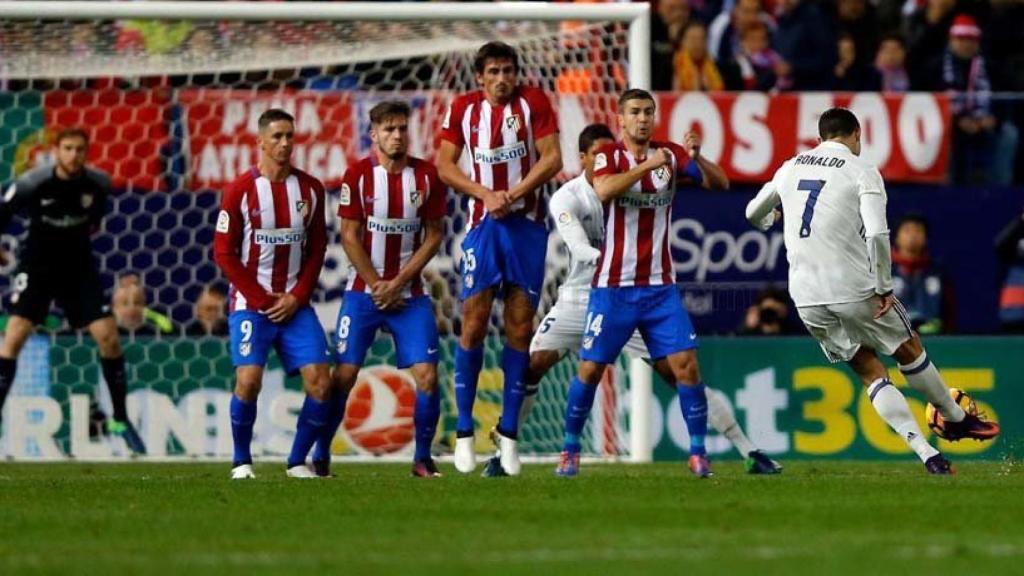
[528, 401]
[892, 407]
[722, 418]
[922, 376]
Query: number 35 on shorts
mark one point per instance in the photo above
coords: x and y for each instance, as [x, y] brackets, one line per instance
[468, 266]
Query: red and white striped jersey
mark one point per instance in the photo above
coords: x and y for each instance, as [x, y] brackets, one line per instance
[392, 208]
[636, 248]
[501, 143]
[271, 238]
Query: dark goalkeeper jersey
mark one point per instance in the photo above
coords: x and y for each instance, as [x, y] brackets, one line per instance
[62, 215]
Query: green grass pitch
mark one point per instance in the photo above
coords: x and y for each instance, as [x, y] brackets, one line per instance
[818, 518]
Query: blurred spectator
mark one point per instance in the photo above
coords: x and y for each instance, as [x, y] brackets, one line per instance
[667, 27]
[153, 36]
[767, 316]
[129, 308]
[1010, 248]
[982, 148]
[805, 39]
[917, 278]
[891, 64]
[858, 19]
[852, 74]
[726, 31]
[756, 66]
[210, 316]
[926, 32]
[695, 70]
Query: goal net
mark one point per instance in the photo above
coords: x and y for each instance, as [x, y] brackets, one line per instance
[169, 93]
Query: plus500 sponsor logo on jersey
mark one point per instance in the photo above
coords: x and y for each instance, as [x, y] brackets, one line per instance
[279, 236]
[701, 252]
[641, 200]
[393, 225]
[500, 155]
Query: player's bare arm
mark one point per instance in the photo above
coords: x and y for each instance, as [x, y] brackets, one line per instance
[713, 177]
[352, 243]
[497, 204]
[612, 185]
[388, 293]
[546, 168]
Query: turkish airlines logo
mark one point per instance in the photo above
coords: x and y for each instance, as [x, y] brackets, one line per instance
[379, 411]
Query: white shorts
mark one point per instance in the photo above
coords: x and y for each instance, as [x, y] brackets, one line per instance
[842, 329]
[562, 329]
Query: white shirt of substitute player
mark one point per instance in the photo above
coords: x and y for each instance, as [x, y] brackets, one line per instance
[836, 235]
[579, 217]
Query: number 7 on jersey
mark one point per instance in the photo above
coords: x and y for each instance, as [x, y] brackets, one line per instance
[814, 187]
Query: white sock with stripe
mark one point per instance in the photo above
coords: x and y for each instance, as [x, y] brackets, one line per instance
[723, 419]
[922, 376]
[892, 407]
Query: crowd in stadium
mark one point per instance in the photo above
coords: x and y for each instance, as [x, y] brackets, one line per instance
[971, 48]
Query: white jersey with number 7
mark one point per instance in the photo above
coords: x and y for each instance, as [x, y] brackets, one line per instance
[834, 206]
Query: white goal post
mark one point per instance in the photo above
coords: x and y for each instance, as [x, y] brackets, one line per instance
[634, 16]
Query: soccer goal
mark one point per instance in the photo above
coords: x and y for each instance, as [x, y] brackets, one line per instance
[170, 93]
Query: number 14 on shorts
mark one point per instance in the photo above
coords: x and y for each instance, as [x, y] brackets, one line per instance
[593, 329]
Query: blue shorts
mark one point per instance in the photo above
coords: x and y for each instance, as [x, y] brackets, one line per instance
[505, 252]
[413, 329]
[299, 342]
[656, 311]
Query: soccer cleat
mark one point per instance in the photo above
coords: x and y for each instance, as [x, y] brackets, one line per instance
[465, 454]
[301, 471]
[939, 465]
[493, 468]
[970, 427]
[508, 451]
[568, 464]
[425, 469]
[700, 466]
[758, 462]
[242, 472]
[127, 432]
[322, 468]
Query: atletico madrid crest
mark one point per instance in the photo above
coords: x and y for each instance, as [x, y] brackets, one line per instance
[302, 208]
[416, 198]
[514, 123]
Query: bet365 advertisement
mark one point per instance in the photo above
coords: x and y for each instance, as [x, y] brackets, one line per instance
[791, 402]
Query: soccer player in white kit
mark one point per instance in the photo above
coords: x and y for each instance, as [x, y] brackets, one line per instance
[840, 277]
[579, 217]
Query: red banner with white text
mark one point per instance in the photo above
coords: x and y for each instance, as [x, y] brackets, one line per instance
[751, 133]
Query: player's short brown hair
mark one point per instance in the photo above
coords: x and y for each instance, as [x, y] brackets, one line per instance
[274, 115]
[74, 132]
[635, 94]
[387, 109]
[495, 51]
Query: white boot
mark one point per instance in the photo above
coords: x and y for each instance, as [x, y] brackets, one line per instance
[465, 454]
[243, 472]
[509, 453]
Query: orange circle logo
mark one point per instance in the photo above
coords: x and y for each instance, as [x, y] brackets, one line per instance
[379, 412]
